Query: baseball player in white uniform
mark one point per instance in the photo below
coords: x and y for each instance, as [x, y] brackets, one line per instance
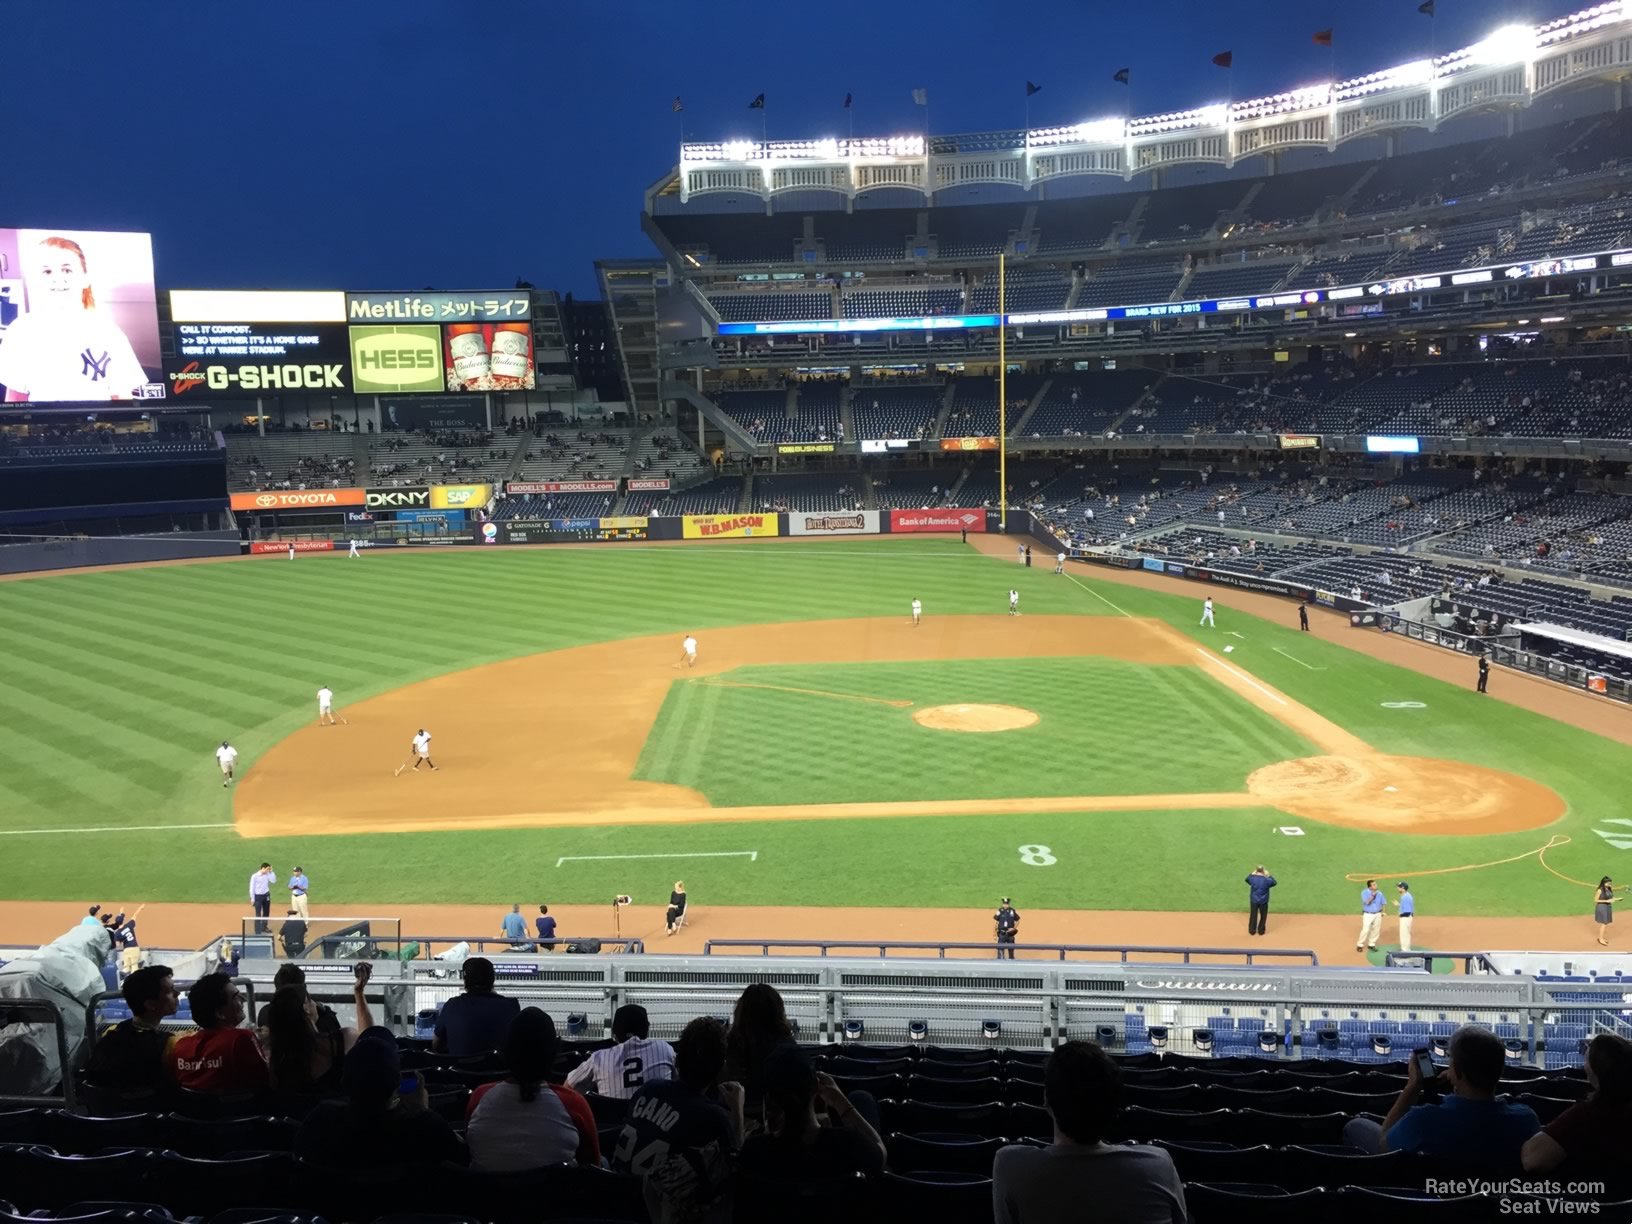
[688, 651]
[353, 552]
[325, 706]
[226, 755]
[1014, 603]
[422, 750]
[917, 613]
[1207, 612]
[291, 550]
[622, 1070]
[1059, 563]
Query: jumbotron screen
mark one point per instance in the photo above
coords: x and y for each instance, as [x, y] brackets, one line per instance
[79, 319]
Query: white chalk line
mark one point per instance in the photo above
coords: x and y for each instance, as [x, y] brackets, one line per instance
[751, 855]
[1295, 659]
[112, 829]
[1099, 597]
[1242, 676]
[1234, 634]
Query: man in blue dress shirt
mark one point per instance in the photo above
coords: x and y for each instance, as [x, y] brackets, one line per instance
[1371, 916]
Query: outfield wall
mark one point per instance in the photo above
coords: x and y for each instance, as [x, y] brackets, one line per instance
[116, 550]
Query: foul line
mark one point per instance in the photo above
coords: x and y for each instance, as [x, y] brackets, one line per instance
[1241, 676]
[1300, 663]
[1098, 596]
[751, 855]
[716, 682]
[112, 829]
[1539, 854]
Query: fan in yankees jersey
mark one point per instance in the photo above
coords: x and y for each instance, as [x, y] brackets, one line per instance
[625, 1068]
[65, 348]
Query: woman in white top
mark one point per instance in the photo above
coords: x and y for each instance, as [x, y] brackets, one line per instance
[64, 348]
[525, 1122]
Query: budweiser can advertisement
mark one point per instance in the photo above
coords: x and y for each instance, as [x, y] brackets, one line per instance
[467, 348]
[512, 352]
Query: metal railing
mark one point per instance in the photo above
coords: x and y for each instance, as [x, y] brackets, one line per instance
[1106, 952]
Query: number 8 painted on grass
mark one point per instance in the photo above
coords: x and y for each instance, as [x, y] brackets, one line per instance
[1037, 856]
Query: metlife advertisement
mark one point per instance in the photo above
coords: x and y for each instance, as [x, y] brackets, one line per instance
[483, 341]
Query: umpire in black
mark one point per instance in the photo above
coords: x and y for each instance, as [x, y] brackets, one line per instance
[1007, 920]
[1484, 671]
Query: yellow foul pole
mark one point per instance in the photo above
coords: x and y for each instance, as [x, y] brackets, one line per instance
[1002, 399]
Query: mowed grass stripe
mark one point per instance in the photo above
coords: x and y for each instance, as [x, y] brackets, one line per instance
[149, 694]
[88, 715]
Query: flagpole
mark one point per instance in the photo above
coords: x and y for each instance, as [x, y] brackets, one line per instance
[1002, 396]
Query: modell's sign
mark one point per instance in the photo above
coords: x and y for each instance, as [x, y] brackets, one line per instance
[564, 486]
[298, 499]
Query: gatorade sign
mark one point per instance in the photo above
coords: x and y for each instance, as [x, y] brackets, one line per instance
[394, 359]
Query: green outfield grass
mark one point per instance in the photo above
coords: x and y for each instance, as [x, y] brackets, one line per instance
[116, 687]
[835, 751]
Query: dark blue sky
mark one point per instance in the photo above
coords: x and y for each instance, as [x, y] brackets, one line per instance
[396, 144]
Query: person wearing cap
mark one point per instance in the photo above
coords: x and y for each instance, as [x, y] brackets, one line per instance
[385, 1122]
[1259, 883]
[1408, 909]
[1007, 920]
[623, 1069]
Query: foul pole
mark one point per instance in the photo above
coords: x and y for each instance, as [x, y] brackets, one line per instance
[1002, 399]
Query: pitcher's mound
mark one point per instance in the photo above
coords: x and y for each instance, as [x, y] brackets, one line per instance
[974, 718]
[1406, 794]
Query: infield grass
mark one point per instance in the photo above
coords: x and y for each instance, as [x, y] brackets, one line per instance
[115, 688]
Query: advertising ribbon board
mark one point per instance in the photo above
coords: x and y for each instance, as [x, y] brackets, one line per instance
[720, 526]
[1300, 441]
[562, 486]
[968, 444]
[553, 531]
[648, 484]
[260, 547]
[298, 499]
[398, 499]
[625, 522]
[846, 522]
[919, 521]
[460, 497]
[806, 448]
[480, 306]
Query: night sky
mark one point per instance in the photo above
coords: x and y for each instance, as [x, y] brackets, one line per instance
[400, 144]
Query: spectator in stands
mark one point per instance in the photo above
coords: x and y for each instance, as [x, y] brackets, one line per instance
[795, 1144]
[303, 1059]
[1594, 1134]
[636, 1060]
[130, 1057]
[1469, 1126]
[683, 1133]
[222, 1058]
[514, 928]
[759, 1026]
[383, 1123]
[546, 929]
[476, 1021]
[294, 975]
[1082, 1087]
[524, 1122]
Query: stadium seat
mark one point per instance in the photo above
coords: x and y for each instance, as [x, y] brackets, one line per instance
[77, 1134]
[1399, 1204]
[952, 1091]
[1209, 1203]
[920, 1117]
[1336, 1165]
[799, 1202]
[943, 1154]
[948, 1198]
[193, 1137]
[551, 1193]
[1222, 1162]
[1137, 1122]
[1282, 1130]
[200, 1186]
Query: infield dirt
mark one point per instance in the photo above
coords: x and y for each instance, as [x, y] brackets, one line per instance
[553, 740]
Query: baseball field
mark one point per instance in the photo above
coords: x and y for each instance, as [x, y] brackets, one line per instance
[1099, 751]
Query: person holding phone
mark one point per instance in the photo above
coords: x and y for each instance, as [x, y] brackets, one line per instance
[303, 1059]
[1469, 1125]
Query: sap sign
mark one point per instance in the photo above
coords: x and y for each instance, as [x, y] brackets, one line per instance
[1388, 444]
[393, 359]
